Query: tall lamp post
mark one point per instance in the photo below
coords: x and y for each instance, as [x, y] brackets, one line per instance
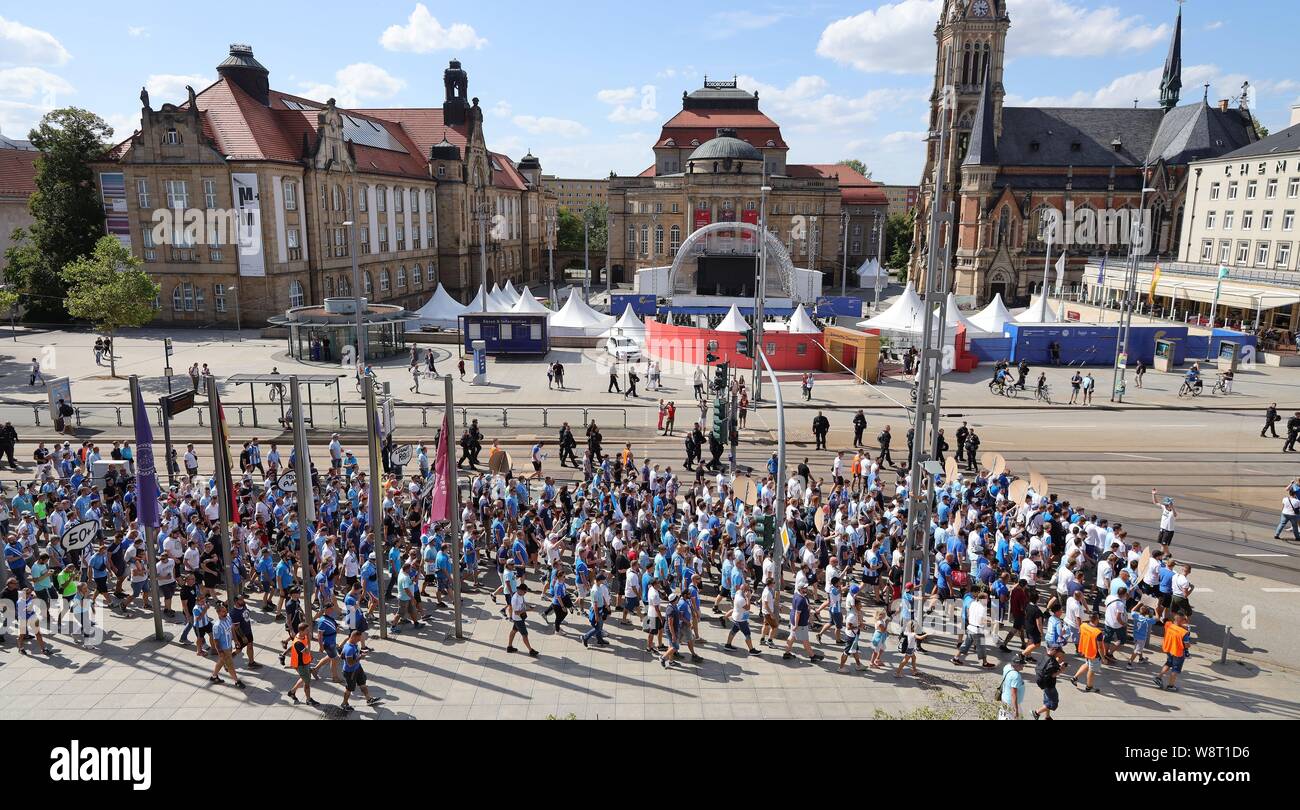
[482, 216]
[759, 288]
[1137, 235]
[844, 271]
[239, 329]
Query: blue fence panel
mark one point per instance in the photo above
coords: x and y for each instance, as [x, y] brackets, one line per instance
[990, 349]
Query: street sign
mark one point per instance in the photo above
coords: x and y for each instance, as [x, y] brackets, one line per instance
[180, 402]
[78, 535]
[401, 456]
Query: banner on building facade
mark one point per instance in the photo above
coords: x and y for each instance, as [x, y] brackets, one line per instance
[243, 189]
[112, 190]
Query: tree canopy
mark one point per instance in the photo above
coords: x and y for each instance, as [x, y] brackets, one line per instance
[857, 166]
[108, 288]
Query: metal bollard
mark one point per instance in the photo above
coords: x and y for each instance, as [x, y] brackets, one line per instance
[76, 415]
[1227, 636]
[240, 413]
[36, 414]
[585, 420]
[505, 418]
[119, 416]
[199, 411]
[544, 424]
[424, 417]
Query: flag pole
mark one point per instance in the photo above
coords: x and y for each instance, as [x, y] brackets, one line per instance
[376, 522]
[144, 469]
[306, 502]
[221, 464]
[453, 505]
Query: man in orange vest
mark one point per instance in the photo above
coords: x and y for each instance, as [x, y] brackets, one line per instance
[300, 660]
[1175, 646]
[1090, 648]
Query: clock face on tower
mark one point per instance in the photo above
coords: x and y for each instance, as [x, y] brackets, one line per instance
[980, 8]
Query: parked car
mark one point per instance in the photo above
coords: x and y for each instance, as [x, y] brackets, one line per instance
[623, 348]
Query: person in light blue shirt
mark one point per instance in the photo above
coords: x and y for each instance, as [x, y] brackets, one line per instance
[223, 644]
[1013, 689]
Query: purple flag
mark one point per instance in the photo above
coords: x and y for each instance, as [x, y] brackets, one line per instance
[146, 475]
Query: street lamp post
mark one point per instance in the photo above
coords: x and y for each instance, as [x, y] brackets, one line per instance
[482, 217]
[357, 301]
[759, 288]
[844, 271]
[1136, 236]
[586, 258]
[609, 279]
[239, 329]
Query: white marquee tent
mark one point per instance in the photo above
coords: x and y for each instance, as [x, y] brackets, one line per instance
[956, 318]
[871, 275]
[577, 319]
[733, 322]
[1040, 311]
[441, 310]
[801, 324]
[993, 317]
[904, 315]
[529, 305]
[628, 325]
[510, 292]
[499, 301]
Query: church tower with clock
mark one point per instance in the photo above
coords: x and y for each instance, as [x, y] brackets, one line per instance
[971, 38]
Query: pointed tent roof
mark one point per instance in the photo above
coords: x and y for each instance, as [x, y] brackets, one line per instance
[801, 324]
[993, 317]
[576, 314]
[529, 305]
[955, 317]
[628, 325]
[871, 274]
[511, 292]
[1040, 311]
[904, 315]
[441, 308]
[476, 304]
[498, 301]
[733, 322]
[982, 150]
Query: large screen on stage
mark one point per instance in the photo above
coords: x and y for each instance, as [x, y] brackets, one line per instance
[731, 276]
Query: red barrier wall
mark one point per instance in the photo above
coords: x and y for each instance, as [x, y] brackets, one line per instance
[688, 345]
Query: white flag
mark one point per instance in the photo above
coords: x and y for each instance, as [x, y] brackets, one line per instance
[1060, 274]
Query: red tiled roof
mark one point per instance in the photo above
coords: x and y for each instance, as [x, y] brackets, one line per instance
[854, 188]
[508, 177]
[650, 172]
[423, 124]
[702, 125]
[18, 172]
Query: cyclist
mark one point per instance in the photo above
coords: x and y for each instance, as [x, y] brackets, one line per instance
[1225, 381]
[1040, 390]
[1192, 380]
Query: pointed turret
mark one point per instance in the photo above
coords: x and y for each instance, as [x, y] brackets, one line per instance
[982, 150]
[1172, 80]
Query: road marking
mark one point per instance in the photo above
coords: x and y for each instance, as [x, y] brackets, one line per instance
[1263, 555]
[1257, 472]
[1202, 589]
[1134, 455]
[1279, 590]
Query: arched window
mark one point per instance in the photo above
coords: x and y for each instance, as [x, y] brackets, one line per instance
[337, 197]
[398, 196]
[428, 201]
[178, 303]
[329, 287]
[369, 284]
[401, 277]
[417, 276]
[296, 297]
[362, 204]
[345, 287]
[1004, 227]
[172, 137]
[674, 239]
[385, 281]
[659, 240]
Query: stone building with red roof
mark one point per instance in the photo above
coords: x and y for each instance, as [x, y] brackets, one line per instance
[17, 183]
[243, 190]
[710, 161]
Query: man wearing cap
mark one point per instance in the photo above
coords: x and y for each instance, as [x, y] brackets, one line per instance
[1013, 689]
[517, 612]
[597, 613]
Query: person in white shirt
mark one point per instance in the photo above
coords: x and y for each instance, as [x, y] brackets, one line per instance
[654, 626]
[1029, 569]
[767, 608]
[976, 619]
[740, 619]
[1182, 588]
[1290, 517]
[517, 612]
[1168, 520]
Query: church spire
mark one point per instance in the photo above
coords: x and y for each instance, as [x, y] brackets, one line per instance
[982, 150]
[1172, 81]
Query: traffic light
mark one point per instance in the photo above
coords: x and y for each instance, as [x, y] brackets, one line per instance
[767, 532]
[710, 358]
[747, 346]
[720, 376]
[719, 430]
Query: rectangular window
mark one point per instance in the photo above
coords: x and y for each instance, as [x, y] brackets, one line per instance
[535, 331]
[1261, 254]
[293, 245]
[855, 248]
[1266, 221]
[142, 193]
[1209, 220]
[507, 331]
[209, 193]
[178, 194]
[475, 331]
[291, 196]
[150, 254]
[198, 299]
[1270, 190]
[1214, 191]
[1247, 220]
[383, 238]
[1243, 252]
[219, 298]
[398, 196]
[1225, 251]
[1293, 187]
[401, 236]
[1207, 250]
[1288, 220]
[365, 240]
[1283, 254]
[1252, 188]
[1227, 220]
[381, 200]
[1232, 190]
[187, 293]
[362, 200]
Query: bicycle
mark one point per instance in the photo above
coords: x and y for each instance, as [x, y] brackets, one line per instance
[1043, 394]
[1188, 389]
[1220, 387]
[275, 392]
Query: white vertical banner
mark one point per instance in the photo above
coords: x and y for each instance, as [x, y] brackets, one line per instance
[243, 186]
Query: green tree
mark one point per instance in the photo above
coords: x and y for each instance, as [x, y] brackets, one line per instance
[108, 289]
[569, 231]
[67, 215]
[857, 166]
[898, 239]
[597, 216]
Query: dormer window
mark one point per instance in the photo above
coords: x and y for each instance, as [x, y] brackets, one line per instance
[1033, 146]
[695, 141]
[1117, 144]
[670, 142]
[172, 137]
[1076, 147]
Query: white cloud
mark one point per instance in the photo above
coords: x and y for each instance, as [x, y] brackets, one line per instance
[546, 125]
[137, 31]
[904, 137]
[625, 110]
[423, 33]
[895, 38]
[628, 154]
[1214, 25]
[170, 87]
[21, 44]
[687, 72]
[899, 37]
[1059, 28]
[1143, 87]
[31, 82]
[502, 109]
[17, 118]
[806, 103]
[356, 83]
[123, 125]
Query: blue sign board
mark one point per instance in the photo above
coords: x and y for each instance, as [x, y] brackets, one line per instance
[642, 305]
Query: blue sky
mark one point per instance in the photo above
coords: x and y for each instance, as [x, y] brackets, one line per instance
[586, 85]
